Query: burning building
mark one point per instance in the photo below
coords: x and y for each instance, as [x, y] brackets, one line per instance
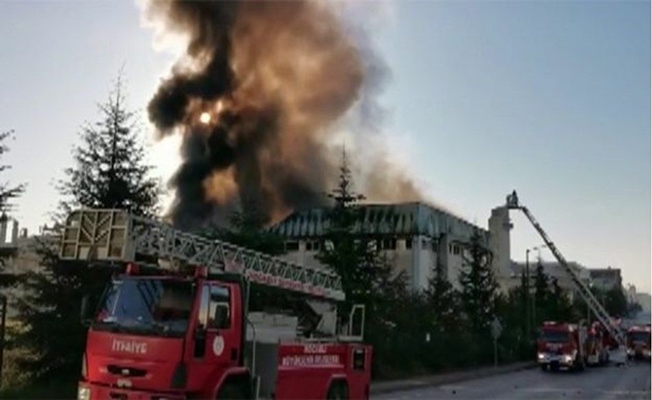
[417, 238]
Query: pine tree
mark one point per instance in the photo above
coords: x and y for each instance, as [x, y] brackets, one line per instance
[541, 284]
[367, 277]
[522, 300]
[109, 171]
[347, 252]
[561, 306]
[542, 295]
[443, 302]
[615, 301]
[109, 168]
[442, 312]
[479, 286]
[515, 338]
[8, 192]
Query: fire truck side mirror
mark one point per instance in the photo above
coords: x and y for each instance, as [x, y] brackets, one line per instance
[85, 315]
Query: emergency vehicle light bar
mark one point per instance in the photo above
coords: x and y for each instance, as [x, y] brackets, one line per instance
[115, 235]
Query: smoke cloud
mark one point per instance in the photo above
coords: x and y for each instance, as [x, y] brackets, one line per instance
[257, 96]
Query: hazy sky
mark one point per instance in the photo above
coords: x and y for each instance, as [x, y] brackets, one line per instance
[549, 98]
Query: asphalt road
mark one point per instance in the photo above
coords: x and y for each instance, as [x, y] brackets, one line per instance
[611, 382]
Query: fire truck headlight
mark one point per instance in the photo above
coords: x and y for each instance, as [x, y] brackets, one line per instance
[541, 356]
[568, 358]
[84, 393]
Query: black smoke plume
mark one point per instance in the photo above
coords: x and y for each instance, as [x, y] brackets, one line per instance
[255, 97]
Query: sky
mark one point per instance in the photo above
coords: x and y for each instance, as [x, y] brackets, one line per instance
[549, 98]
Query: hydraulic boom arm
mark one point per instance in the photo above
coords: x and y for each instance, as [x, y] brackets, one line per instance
[118, 236]
[585, 292]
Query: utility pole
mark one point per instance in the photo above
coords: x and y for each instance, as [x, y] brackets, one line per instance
[3, 322]
[527, 294]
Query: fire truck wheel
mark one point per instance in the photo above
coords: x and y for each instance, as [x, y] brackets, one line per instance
[231, 391]
[338, 391]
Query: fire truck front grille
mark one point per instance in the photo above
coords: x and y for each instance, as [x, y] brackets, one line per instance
[126, 371]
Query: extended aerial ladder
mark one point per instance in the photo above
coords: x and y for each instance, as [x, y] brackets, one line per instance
[585, 292]
[112, 235]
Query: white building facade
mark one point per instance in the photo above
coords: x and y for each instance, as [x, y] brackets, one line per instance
[553, 271]
[417, 238]
[607, 278]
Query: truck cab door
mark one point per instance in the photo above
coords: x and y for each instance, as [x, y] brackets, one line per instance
[216, 337]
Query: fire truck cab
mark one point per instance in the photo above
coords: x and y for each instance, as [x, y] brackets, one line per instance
[561, 346]
[638, 342]
[177, 337]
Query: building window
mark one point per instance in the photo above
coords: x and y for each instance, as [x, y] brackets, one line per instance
[292, 246]
[408, 243]
[388, 244]
[313, 246]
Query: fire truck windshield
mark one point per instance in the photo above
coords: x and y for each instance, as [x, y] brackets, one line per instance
[146, 306]
[552, 336]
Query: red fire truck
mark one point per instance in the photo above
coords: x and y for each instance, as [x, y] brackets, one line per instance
[561, 345]
[160, 333]
[638, 342]
[597, 353]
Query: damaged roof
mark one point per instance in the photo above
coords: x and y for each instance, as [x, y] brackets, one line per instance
[403, 219]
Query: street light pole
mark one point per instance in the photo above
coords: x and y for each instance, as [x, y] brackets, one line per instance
[3, 323]
[527, 293]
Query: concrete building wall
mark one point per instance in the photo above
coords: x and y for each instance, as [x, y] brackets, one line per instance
[631, 293]
[606, 278]
[500, 227]
[553, 270]
[645, 301]
[416, 238]
[451, 254]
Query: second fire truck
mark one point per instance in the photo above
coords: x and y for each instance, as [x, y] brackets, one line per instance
[608, 328]
[562, 346]
[638, 342]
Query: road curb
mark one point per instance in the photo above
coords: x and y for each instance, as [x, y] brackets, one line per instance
[443, 379]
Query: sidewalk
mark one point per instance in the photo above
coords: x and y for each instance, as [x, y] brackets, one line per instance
[446, 378]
